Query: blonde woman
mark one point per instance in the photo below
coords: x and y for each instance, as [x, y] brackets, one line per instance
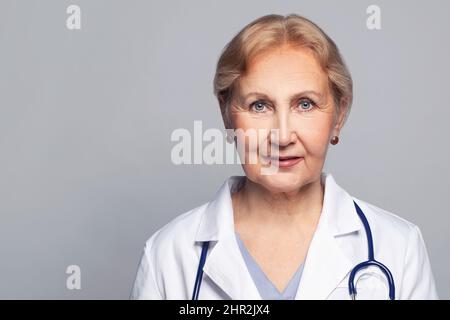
[295, 233]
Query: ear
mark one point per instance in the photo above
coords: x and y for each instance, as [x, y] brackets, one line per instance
[340, 117]
[225, 115]
[226, 121]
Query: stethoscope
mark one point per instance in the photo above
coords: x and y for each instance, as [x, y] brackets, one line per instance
[351, 280]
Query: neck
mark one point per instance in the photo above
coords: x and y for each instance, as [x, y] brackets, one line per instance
[298, 209]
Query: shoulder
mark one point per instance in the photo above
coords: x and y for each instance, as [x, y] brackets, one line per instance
[178, 231]
[162, 251]
[399, 243]
[392, 226]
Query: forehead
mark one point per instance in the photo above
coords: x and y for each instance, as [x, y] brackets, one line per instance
[284, 68]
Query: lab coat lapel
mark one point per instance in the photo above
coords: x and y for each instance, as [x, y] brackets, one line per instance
[326, 263]
[225, 264]
[325, 266]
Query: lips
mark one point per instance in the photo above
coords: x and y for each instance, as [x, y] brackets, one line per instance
[285, 161]
[286, 158]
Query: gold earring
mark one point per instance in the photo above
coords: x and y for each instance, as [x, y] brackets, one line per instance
[334, 140]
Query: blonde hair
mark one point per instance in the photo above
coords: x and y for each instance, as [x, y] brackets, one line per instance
[273, 31]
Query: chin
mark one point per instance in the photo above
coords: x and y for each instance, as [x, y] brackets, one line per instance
[282, 181]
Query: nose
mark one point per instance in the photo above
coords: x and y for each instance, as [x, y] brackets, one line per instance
[285, 133]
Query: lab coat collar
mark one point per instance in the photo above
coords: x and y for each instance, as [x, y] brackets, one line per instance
[325, 266]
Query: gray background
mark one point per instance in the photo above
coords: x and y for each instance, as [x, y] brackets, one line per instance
[86, 118]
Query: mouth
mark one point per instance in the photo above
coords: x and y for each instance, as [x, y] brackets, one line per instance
[285, 161]
[287, 158]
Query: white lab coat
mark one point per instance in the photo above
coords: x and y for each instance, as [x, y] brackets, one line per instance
[170, 258]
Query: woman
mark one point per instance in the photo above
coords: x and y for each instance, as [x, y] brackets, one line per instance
[294, 233]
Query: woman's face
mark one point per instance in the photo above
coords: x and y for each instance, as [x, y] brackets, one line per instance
[285, 89]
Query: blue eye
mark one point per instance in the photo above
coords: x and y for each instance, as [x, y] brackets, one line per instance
[306, 105]
[258, 106]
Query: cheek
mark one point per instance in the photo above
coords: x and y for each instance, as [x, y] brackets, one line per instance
[314, 135]
[252, 125]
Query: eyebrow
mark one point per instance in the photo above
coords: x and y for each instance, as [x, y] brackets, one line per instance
[292, 97]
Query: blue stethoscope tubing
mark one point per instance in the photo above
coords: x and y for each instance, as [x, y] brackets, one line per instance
[351, 280]
[370, 261]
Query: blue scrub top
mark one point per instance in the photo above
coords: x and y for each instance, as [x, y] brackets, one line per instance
[266, 288]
